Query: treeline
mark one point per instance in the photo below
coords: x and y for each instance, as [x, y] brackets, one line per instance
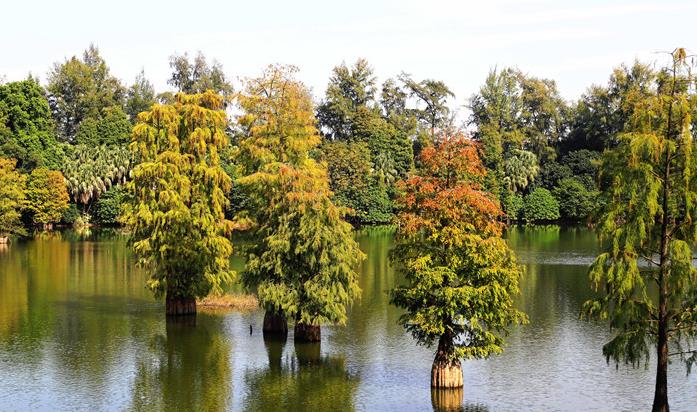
[541, 150]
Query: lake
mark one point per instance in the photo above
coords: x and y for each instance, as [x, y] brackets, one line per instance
[79, 331]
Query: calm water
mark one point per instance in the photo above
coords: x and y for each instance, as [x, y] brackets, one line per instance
[78, 331]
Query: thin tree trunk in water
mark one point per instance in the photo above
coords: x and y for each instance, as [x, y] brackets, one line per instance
[179, 305]
[275, 325]
[445, 373]
[307, 333]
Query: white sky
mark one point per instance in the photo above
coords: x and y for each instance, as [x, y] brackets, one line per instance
[576, 43]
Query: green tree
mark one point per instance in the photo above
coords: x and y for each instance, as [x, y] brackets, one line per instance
[27, 130]
[303, 262]
[140, 96]
[540, 205]
[12, 195]
[177, 201]
[198, 76]
[432, 96]
[79, 89]
[110, 205]
[47, 196]
[520, 169]
[461, 276]
[650, 217]
[576, 202]
[112, 128]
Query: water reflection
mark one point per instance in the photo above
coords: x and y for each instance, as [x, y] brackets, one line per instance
[186, 368]
[304, 380]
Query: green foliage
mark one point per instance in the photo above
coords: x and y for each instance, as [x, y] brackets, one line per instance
[112, 128]
[198, 76]
[177, 197]
[70, 215]
[584, 166]
[432, 96]
[80, 89]
[576, 202]
[110, 205]
[140, 97]
[91, 170]
[540, 205]
[646, 279]
[47, 196]
[520, 169]
[513, 206]
[27, 131]
[12, 195]
[303, 262]
[461, 276]
[553, 173]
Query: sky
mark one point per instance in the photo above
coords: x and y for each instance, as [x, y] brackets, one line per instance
[576, 43]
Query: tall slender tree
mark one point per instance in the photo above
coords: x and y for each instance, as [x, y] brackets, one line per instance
[646, 278]
[178, 200]
[12, 196]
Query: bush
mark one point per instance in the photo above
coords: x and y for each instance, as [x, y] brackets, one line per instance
[70, 214]
[540, 205]
[575, 200]
[108, 208]
[513, 206]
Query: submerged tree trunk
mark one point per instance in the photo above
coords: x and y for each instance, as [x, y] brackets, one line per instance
[449, 399]
[307, 333]
[275, 325]
[4, 240]
[179, 305]
[446, 373]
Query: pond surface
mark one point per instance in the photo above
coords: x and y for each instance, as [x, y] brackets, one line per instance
[78, 331]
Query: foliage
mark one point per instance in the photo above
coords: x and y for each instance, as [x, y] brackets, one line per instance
[27, 130]
[110, 205]
[198, 76]
[514, 206]
[112, 128]
[460, 273]
[646, 277]
[70, 215]
[540, 205]
[576, 202]
[554, 172]
[584, 166]
[520, 169]
[177, 197]
[434, 115]
[81, 88]
[47, 196]
[303, 262]
[12, 195]
[90, 171]
[140, 96]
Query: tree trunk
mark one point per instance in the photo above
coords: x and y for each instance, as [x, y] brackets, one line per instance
[4, 240]
[660, 398]
[446, 373]
[275, 325]
[180, 306]
[447, 399]
[307, 333]
[48, 226]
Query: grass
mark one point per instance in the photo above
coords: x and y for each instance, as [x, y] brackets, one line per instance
[234, 302]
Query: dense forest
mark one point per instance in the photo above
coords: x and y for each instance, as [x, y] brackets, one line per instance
[541, 150]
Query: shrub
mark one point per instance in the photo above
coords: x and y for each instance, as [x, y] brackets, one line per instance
[540, 205]
[575, 200]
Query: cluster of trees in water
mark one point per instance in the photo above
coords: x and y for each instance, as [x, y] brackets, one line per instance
[182, 176]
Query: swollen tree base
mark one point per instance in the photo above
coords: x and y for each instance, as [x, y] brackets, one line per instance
[446, 374]
[180, 306]
[4, 240]
[307, 333]
[275, 326]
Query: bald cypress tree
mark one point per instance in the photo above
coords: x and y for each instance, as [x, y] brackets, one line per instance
[302, 265]
[176, 210]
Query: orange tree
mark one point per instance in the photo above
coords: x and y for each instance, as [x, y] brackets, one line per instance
[461, 275]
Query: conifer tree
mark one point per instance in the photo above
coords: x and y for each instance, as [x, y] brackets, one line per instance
[302, 265]
[178, 197]
[646, 276]
[47, 196]
[12, 195]
[461, 275]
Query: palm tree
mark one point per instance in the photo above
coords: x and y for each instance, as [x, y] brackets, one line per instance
[520, 169]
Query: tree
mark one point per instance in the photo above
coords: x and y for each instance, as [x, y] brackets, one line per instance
[112, 128]
[302, 264]
[433, 94]
[520, 169]
[110, 205]
[540, 205]
[198, 76]
[91, 171]
[80, 89]
[47, 196]
[27, 131]
[461, 276]
[576, 202]
[140, 97]
[349, 90]
[176, 208]
[12, 195]
[645, 277]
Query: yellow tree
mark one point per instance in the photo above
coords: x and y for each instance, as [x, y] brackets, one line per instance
[47, 196]
[12, 195]
[176, 210]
